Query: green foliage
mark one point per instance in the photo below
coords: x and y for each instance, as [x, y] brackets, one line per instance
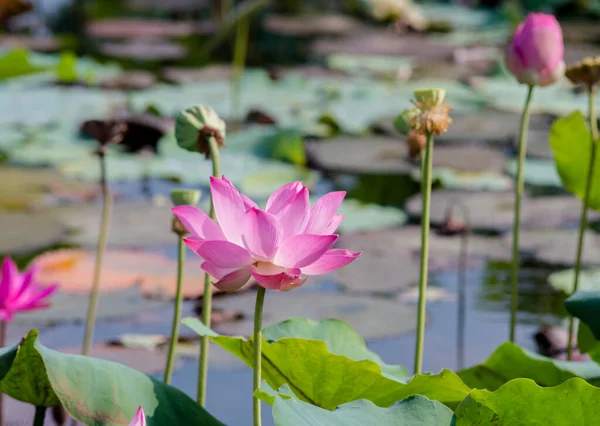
[570, 141]
[17, 63]
[92, 391]
[415, 410]
[564, 280]
[328, 379]
[585, 305]
[510, 362]
[66, 70]
[522, 402]
[288, 146]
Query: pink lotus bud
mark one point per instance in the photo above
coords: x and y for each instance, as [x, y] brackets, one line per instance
[535, 55]
[139, 419]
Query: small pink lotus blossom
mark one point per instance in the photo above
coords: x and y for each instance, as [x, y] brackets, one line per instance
[139, 419]
[535, 55]
[18, 292]
[279, 246]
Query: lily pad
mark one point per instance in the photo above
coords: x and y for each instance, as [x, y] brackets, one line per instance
[414, 410]
[537, 172]
[310, 25]
[361, 217]
[153, 273]
[73, 308]
[373, 318]
[467, 180]
[573, 402]
[558, 247]
[141, 50]
[479, 158]
[139, 28]
[92, 391]
[26, 232]
[316, 371]
[583, 304]
[564, 280]
[370, 65]
[493, 211]
[361, 155]
[509, 362]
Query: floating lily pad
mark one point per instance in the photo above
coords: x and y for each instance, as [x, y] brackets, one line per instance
[361, 155]
[73, 308]
[479, 158]
[153, 273]
[25, 232]
[140, 50]
[493, 211]
[368, 316]
[310, 25]
[558, 247]
[564, 280]
[371, 65]
[360, 217]
[538, 172]
[139, 28]
[467, 180]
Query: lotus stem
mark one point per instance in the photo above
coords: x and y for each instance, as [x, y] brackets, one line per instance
[101, 248]
[176, 311]
[258, 311]
[40, 415]
[514, 292]
[426, 194]
[239, 61]
[207, 297]
[584, 210]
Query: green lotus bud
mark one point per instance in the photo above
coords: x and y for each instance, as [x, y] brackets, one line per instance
[185, 197]
[430, 97]
[194, 126]
[403, 120]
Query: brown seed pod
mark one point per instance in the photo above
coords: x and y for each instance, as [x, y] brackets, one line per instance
[585, 72]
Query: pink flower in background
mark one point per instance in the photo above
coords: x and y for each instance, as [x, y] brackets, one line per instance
[279, 246]
[535, 55]
[18, 292]
[139, 419]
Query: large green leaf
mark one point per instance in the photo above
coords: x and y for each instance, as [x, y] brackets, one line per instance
[564, 280]
[510, 362]
[92, 391]
[585, 305]
[415, 410]
[570, 141]
[327, 379]
[523, 402]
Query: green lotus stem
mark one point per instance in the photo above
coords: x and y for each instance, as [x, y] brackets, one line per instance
[40, 415]
[239, 61]
[177, 311]
[101, 248]
[426, 166]
[514, 292]
[207, 297]
[258, 311]
[584, 210]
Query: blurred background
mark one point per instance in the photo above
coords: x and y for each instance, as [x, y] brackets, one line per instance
[309, 91]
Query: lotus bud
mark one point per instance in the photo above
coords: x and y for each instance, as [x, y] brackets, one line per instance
[535, 55]
[416, 144]
[183, 197]
[139, 419]
[585, 72]
[433, 114]
[402, 121]
[195, 126]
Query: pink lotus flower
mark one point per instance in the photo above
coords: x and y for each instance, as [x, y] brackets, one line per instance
[18, 292]
[279, 246]
[535, 55]
[139, 419]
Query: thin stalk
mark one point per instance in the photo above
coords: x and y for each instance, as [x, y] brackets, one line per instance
[3, 326]
[176, 311]
[101, 248]
[514, 293]
[239, 62]
[207, 297]
[40, 415]
[584, 210]
[258, 310]
[426, 194]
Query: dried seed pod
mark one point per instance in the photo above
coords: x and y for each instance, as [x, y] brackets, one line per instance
[416, 143]
[433, 117]
[585, 72]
